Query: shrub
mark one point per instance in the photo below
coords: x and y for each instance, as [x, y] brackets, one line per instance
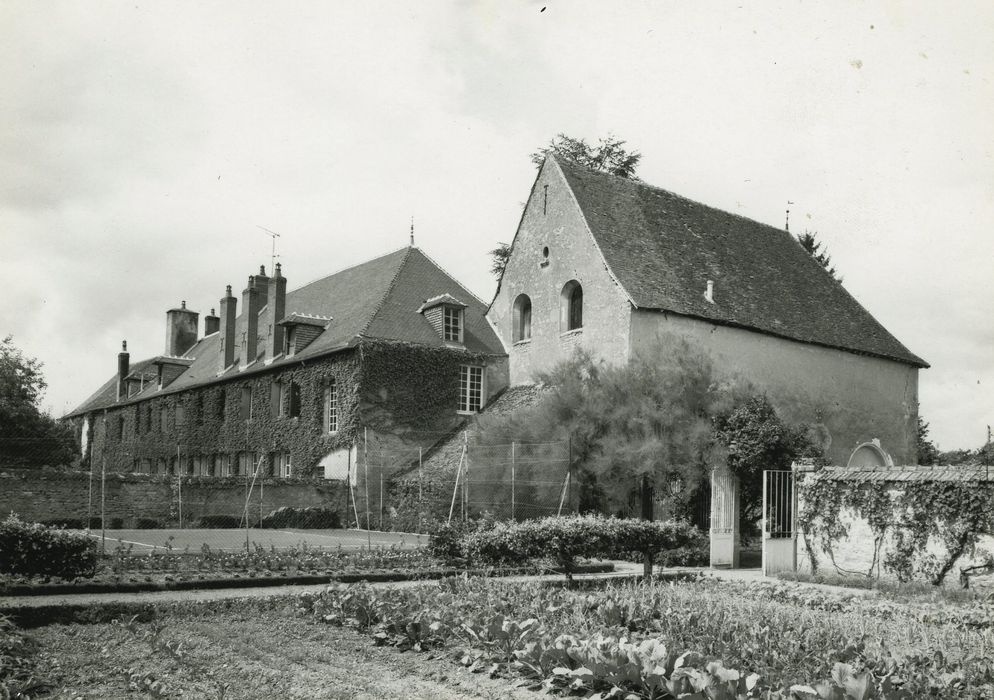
[31, 549]
[565, 539]
[218, 521]
[72, 523]
[146, 524]
[313, 518]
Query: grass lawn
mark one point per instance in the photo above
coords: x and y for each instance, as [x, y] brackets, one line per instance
[256, 653]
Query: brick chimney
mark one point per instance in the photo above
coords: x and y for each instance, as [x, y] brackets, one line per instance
[229, 306]
[181, 330]
[251, 298]
[123, 367]
[276, 310]
[212, 324]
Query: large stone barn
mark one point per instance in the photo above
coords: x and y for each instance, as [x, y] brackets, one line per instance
[613, 265]
[292, 381]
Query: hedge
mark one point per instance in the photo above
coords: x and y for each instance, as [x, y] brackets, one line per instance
[565, 539]
[313, 518]
[31, 549]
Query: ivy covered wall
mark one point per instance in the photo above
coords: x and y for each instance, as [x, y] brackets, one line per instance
[406, 395]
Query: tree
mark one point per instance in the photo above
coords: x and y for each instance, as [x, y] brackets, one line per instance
[499, 257]
[608, 156]
[665, 414]
[809, 241]
[928, 454]
[27, 434]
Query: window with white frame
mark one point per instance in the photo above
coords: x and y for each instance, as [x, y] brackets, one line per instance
[331, 407]
[452, 324]
[246, 463]
[282, 464]
[470, 388]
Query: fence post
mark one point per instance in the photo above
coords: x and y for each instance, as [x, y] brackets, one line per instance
[647, 515]
[465, 481]
[103, 503]
[381, 497]
[365, 461]
[513, 518]
[179, 485]
[89, 500]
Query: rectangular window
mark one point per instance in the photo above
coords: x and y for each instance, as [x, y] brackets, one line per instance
[275, 399]
[145, 465]
[290, 341]
[180, 415]
[331, 407]
[246, 406]
[222, 401]
[120, 428]
[246, 463]
[294, 400]
[452, 324]
[470, 389]
[222, 465]
[281, 464]
[163, 419]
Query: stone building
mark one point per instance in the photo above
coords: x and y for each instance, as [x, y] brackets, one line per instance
[292, 380]
[614, 265]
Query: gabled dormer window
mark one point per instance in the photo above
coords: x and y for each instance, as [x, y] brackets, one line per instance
[447, 315]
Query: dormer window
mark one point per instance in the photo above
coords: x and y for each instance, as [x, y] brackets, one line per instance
[447, 315]
[452, 324]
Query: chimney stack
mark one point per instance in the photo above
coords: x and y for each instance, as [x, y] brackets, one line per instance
[181, 330]
[229, 305]
[212, 324]
[277, 309]
[123, 367]
[251, 298]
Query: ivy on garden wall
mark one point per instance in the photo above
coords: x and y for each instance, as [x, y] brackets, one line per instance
[953, 514]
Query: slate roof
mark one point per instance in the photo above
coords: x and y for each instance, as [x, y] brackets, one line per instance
[967, 473]
[663, 248]
[378, 299]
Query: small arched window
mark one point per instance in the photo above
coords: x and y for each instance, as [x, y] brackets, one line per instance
[522, 318]
[571, 306]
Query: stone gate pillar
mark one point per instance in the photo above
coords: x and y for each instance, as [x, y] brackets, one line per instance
[724, 519]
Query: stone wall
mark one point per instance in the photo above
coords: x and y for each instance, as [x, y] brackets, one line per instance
[552, 221]
[56, 495]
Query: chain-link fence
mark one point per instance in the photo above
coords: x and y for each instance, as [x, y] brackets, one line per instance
[190, 495]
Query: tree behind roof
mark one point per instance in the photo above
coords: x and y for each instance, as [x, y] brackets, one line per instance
[608, 156]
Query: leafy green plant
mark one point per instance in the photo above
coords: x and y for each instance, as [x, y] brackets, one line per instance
[31, 549]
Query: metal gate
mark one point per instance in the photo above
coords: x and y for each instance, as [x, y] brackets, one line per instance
[779, 522]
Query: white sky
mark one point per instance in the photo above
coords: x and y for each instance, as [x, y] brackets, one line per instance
[142, 145]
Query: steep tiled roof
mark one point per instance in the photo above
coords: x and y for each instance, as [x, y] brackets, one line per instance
[663, 248]
[969, 473]
[378, 299]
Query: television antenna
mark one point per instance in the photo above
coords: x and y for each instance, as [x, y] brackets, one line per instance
[274, 236]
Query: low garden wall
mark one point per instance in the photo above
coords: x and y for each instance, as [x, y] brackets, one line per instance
[903, 523]
[143, 500]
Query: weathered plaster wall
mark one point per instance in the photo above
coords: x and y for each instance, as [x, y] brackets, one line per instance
[856, 552]
[856, 397]
[558, 223]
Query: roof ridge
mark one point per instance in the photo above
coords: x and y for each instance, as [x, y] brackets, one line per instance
[345, 269]
[637, 182]
[389, 289]
[449, 275]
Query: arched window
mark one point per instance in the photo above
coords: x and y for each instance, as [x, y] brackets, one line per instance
[522, 318]
[571, 306]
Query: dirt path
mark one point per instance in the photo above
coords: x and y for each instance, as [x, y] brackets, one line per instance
[262, 655]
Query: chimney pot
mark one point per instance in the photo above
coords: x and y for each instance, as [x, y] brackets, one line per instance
[262, 270]
[123, 367]
[124, 346]
[227, 290]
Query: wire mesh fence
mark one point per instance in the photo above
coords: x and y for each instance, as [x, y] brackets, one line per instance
[185, 496]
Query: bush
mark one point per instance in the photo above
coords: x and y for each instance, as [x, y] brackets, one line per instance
[568, 538]
[146, 524]
[312, 518]
[31, 549]
[212, 522]
[72, 523]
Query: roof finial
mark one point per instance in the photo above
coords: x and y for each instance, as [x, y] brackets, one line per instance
[412, 231]
[787, 225]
